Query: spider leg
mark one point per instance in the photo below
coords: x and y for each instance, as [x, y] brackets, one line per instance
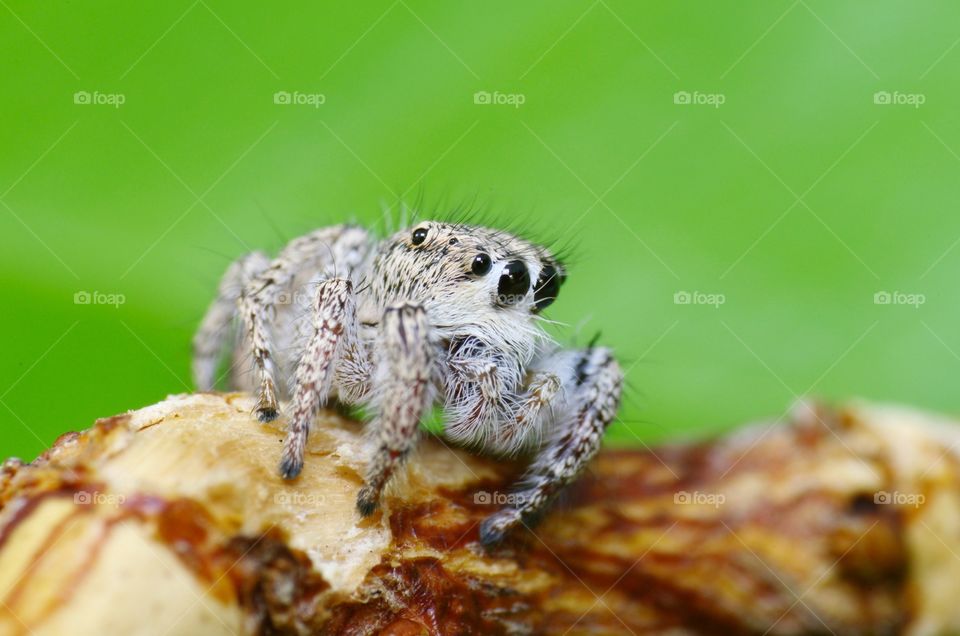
[594, 385]
[334, 321]
[354, 370]
[474, 405]
[405, 391]
[215, 330]
[542, 390]
[481, 411]
[343, 247]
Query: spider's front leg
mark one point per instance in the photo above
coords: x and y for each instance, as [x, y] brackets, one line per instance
[323, 251]
[214, 332]
[334, 329]
[404, 392]
[593, 386]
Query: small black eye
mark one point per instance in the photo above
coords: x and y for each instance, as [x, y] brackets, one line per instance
[419, 236]
[481, 264]
[547, 288]
[514, 283]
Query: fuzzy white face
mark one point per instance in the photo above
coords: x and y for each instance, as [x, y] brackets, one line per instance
[466, 275]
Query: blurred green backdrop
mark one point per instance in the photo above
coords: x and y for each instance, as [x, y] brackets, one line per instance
[780, 162]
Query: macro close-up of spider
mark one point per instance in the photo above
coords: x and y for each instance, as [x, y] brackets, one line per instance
[438, 314]
[446, 318]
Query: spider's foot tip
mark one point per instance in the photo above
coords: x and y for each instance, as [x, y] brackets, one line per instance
[266, 414]
[492, 532]
[290, 468]
[366, 502]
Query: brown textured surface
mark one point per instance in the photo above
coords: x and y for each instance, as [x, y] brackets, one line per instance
[771, 530]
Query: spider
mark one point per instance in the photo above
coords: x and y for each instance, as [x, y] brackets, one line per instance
[439, 314]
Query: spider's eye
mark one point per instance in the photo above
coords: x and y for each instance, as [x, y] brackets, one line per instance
[547, 288]
[419, 236]
[481, 264]
[514, 283]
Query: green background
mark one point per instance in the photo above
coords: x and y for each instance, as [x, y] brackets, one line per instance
[798, 199]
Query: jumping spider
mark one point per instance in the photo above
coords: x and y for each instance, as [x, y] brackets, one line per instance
[438, 314]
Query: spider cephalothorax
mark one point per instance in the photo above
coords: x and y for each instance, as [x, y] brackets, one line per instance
[438, 314]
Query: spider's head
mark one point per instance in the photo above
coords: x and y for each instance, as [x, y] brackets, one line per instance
[464, 272]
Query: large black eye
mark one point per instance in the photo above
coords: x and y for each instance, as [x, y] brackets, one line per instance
[514, 283]
[481, 264]
[419, 236]
[547, 288]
